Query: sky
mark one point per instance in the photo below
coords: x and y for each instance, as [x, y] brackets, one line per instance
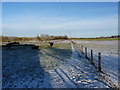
[0, 18]
[75, 19]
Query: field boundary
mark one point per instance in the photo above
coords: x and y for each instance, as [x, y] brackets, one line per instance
[103, 75]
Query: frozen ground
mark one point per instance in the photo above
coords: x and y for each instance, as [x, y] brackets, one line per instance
[109, 50]
[57, 67]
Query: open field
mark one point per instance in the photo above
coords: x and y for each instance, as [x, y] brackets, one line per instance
[25, 39]
[60, 66]
[96, 39]
[22, 65]
[110, 56]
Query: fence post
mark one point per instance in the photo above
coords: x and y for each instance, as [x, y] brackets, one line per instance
[86, 52]
[92, 57]
[99, 61]
[82, 48]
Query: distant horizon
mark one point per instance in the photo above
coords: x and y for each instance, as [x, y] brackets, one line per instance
[58, 35]
[74, 19]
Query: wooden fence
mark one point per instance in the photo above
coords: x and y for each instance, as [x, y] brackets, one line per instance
[90, 57]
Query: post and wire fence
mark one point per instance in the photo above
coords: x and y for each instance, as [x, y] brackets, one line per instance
[96, 60]
[90, 57]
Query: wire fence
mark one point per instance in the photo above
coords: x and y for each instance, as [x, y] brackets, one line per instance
[89, 54]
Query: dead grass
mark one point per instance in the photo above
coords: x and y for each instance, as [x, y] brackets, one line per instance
[51, 57]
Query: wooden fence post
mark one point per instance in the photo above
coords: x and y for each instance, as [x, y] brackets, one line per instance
[92, 57]
[99, 61]
[82, 48]
[86, 52]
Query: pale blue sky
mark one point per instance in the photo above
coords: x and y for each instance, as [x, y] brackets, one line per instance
[76, 19]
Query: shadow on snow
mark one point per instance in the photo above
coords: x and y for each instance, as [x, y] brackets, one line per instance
[21, 68]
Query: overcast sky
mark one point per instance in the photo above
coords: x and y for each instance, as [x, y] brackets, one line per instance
[76, 19]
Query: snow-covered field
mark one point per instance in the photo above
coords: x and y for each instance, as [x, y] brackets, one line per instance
[61, 66]
[109, 51]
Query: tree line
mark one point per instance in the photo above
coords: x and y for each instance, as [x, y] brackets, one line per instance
[41, 37]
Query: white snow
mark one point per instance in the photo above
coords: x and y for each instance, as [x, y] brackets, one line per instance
[109, 51]
[26, 68]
